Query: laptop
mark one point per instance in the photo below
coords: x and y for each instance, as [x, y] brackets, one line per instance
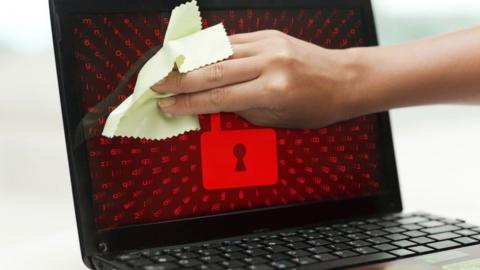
[315, 199]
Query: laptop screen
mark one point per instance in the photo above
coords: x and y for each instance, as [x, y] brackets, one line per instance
[138, 181]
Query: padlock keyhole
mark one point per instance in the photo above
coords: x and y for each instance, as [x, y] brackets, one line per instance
[239, 151]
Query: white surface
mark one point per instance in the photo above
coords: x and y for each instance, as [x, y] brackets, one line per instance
[437, 147]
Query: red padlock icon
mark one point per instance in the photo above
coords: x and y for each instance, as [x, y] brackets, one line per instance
[238, 158]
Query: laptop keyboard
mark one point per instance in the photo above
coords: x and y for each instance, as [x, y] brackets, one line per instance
[319, 247]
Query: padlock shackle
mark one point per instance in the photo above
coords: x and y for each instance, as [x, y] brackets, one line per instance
[215, 122]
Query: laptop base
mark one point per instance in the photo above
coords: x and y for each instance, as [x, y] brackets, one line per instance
[330, 246]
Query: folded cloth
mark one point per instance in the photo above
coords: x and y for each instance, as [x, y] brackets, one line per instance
[188, 47]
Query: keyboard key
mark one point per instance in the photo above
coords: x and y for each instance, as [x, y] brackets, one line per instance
[273, 242]
[444, 236]
[390, 217]
[323, 228]
[466, 240]
[358, 243]
[325, 257]
[304, 260]
[421, 240]
[387, 224]
[162, 266]
[192, 247]
[376, 233]
[370, 258]
[277, 249]
[411, 220]
[420, 249]
[339, 246]
[152, 252]
[209, 251]
[378, 240]
[466, 225]
[231, 248]
[236, 255]
[167, 251]
[209, 267]
[293, 239]
[441, 229]
[340, 225]
[370, 227]
[358, 236]
[259, 251]
[288, 234]
[164, 258]
[428, 215]
[351, 230]
[444, 244]
[356, 223]
[332, 233]
[260, 267]
[385, 247]
[304, 231]
[396, 236]
[211, 245]
[345, 253]
[283, 264]
[314, 235]
[451, 221]
[255, 260]
[403, 243]
[318, 250]
[250, 239]
[466, 232]
[318, 242]
[432, 223]
[365, 250]
[186, 255]
[298, 245]
[411, 227]
[211, 259]
[394, 230]
[414, 233]
[233, 263]
[373, 220]
[338, 239]
[277, 256]
[276, 236]
[237, 242]
[402, 252]
[189, 262]
[251, 245]
[404, 215]
[298, 253]
[172, 251]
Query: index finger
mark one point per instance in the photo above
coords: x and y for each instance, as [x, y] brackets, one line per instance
[216, 75]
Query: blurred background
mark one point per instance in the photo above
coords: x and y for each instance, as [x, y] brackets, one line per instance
[437, 147]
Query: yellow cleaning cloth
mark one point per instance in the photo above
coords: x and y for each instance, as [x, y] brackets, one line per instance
[187, 46]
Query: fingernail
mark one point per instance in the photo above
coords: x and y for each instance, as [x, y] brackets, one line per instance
[158, 85]
[166, 102]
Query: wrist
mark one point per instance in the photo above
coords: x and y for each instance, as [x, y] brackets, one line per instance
[357, 90]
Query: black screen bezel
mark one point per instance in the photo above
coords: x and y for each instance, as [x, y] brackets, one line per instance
[205, 227]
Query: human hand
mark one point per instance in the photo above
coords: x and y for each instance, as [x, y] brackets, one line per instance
[271, 80]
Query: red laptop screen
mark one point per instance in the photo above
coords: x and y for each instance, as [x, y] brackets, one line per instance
[229, 165]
